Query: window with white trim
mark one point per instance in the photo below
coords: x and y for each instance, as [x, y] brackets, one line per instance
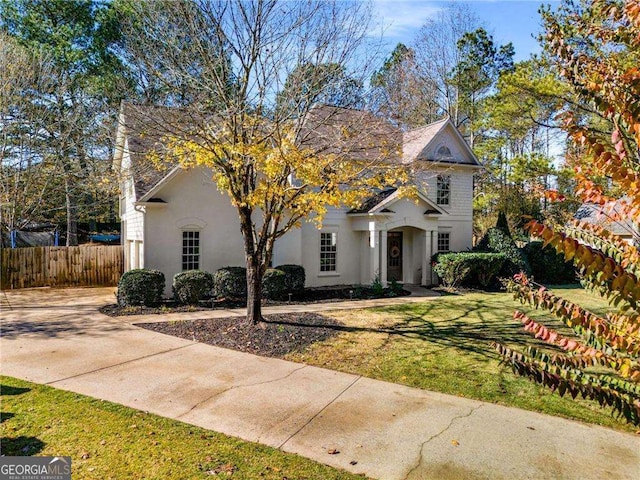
[190, 250]
[444, 190]
[328, 251]
[444, 242]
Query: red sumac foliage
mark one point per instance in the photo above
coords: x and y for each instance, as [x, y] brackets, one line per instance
[596, 48]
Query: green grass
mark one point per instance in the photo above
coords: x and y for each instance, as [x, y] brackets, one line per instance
[109, 441]
[445, 345]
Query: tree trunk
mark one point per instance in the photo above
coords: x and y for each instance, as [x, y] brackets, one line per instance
[72, 219]
[255, 271]
[254, 292]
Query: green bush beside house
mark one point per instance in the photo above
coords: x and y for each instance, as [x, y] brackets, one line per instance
[140, 287]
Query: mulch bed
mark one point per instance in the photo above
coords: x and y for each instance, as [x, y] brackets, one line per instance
[310, 295]
[278, 335]
[169, 306]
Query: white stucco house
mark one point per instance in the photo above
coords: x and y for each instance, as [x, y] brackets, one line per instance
[175, 220]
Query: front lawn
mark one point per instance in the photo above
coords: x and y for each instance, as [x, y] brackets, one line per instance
[445, 345]
[109, 441]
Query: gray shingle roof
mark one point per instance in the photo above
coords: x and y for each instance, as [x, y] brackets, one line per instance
[369, 203]
[146, 133]
[592, 213]
[351, 134]
[414, 141]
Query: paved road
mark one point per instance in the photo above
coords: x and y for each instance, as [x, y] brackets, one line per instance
[383, 430]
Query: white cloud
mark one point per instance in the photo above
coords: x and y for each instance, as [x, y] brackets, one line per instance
[401, 19]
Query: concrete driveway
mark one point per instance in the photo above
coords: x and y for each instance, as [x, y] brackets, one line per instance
[383, 430]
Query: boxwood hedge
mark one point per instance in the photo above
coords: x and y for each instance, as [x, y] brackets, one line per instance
[479, 269]
[230, 282]
[294, 277]
[192, 286]
[274, 286]
[140, 287]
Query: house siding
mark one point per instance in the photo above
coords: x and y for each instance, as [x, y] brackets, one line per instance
[192, 203]
[348, 250]
[132, 220]
[461, 190]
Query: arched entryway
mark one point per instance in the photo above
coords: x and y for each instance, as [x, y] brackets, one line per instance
[407, 254]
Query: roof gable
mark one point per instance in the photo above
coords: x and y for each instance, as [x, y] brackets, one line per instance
[142, 130]
[438, 142]
[382, 202]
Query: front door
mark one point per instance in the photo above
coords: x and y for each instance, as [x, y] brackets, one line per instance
[394, 256]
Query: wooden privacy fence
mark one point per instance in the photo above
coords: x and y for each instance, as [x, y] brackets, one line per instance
[61, 266]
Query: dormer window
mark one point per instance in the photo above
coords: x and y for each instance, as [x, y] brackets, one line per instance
[443, 152]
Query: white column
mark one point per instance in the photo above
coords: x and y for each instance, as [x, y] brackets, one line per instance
[374, 246]
[426, 267]
[383, 257]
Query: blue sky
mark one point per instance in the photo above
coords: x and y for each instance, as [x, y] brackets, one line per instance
[515, 21]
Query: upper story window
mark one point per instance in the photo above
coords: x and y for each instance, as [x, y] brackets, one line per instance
[328, 251]
[190, 250]
[443, 195]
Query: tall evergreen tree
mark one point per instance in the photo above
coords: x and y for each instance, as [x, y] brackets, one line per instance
[76, 104]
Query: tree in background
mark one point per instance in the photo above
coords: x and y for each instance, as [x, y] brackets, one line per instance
[26, 181]
[73, 106]
[596, 48]
[437, 55]
[401, 94]
[519, 135]
[254, 71]
[327, 84]
[458, 63]
[479, 66]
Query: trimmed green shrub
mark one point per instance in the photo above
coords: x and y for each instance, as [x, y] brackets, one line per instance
[470, 268]
[436, 256]
[274, 284]
[192, 286]
[140, 287]
[452, 269]
[548, 266]
[230, 282]
[495, 240]
[486, 267]
[294, 277]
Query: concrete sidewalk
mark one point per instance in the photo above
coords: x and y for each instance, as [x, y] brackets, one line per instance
[383, 430]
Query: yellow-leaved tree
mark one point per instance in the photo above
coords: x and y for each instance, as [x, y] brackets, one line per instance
[595, 45]
[266, 92]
